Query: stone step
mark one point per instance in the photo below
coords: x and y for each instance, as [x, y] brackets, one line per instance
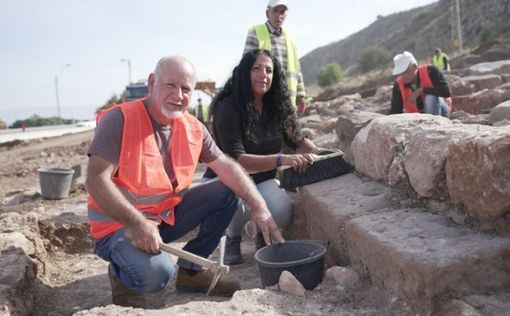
[490, 305]
[330, 204]
[411, 252]
[420, 255]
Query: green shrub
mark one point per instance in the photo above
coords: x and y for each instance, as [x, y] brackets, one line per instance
[113, 99]
[36, 120]
[373, 57]
[486, 35]
[330, 74]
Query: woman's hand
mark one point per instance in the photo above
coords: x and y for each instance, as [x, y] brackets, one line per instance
[298, 161]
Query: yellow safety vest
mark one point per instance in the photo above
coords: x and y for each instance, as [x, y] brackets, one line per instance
[292, 60]
[205, 112]
[438, 61]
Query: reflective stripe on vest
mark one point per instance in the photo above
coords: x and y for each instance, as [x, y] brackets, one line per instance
[141, 176]
[438, 61]
[292, 60]
[425, 82]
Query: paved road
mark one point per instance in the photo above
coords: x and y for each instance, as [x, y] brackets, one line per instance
[9, 135]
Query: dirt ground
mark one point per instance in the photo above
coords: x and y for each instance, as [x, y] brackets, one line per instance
[70, 279]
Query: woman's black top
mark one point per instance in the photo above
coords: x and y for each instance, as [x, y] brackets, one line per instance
[231, 137]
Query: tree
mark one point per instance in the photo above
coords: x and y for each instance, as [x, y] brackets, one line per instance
[373, 57]
[113, 99]
[36, 120]
[330, 74]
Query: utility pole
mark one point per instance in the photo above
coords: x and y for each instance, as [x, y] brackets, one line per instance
[128, 61]
[458, 24]
[56, 89]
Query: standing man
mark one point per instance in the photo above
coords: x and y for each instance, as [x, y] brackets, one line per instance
[440, 60]
[280, 42]
[201, 112]
[418, 89]
[142, 160]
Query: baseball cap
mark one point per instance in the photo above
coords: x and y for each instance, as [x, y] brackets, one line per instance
[402, 62]
[274, 3]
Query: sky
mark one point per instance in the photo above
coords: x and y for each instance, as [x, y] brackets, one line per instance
[39, 38]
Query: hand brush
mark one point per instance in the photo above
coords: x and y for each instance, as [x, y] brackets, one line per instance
[326, 165]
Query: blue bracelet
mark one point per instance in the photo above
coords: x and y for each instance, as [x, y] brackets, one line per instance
[279, 160]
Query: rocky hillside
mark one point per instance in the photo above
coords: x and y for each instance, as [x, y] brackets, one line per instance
[418, 30]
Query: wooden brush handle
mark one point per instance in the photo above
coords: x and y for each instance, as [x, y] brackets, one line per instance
[317, 158]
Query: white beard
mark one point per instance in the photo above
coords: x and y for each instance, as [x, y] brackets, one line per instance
[171, 114]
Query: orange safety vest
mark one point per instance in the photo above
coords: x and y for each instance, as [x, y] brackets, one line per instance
[141, 176]
[425, 82]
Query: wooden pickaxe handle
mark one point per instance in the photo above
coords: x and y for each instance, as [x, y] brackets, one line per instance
[206, 263]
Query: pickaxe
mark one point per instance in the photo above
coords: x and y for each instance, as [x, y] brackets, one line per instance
[218, 267]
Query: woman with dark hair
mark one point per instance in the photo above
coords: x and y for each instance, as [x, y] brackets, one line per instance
[252, 117]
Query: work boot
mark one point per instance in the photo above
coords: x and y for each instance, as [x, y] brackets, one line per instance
[199, 281]
[259, 241]
[233, 251]
[122, 295]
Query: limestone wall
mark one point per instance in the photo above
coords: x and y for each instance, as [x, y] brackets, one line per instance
[439, 159]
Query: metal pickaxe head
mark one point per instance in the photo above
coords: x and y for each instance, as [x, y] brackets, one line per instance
[220, 268]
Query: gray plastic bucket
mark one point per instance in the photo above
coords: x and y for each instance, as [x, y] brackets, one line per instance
[303, 258]
[55, 182]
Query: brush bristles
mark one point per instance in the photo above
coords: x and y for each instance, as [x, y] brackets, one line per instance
[320, 170]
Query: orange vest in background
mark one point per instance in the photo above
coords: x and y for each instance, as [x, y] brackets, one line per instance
[425, 82]
[141, 175]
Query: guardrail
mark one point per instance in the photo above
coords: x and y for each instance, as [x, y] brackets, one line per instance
[9, 135]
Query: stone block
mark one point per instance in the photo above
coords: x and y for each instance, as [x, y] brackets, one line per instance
[495, 67]
[458, 308]
[421, 256]
[16, 240]
[483, 81]
[348, 125]
[477, 173]
[425, 157]
[379, 146]
[329, 204]
[500, 112]
[480, 101]
[17, 283]
[490, 305]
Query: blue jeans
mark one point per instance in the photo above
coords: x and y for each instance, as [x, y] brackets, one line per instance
[435, 105]
[210, 205]
[278, 203]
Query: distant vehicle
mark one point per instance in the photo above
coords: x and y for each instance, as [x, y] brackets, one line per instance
[135, 90]
[86, 124]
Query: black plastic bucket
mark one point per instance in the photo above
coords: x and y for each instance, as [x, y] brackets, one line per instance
[303, 258]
